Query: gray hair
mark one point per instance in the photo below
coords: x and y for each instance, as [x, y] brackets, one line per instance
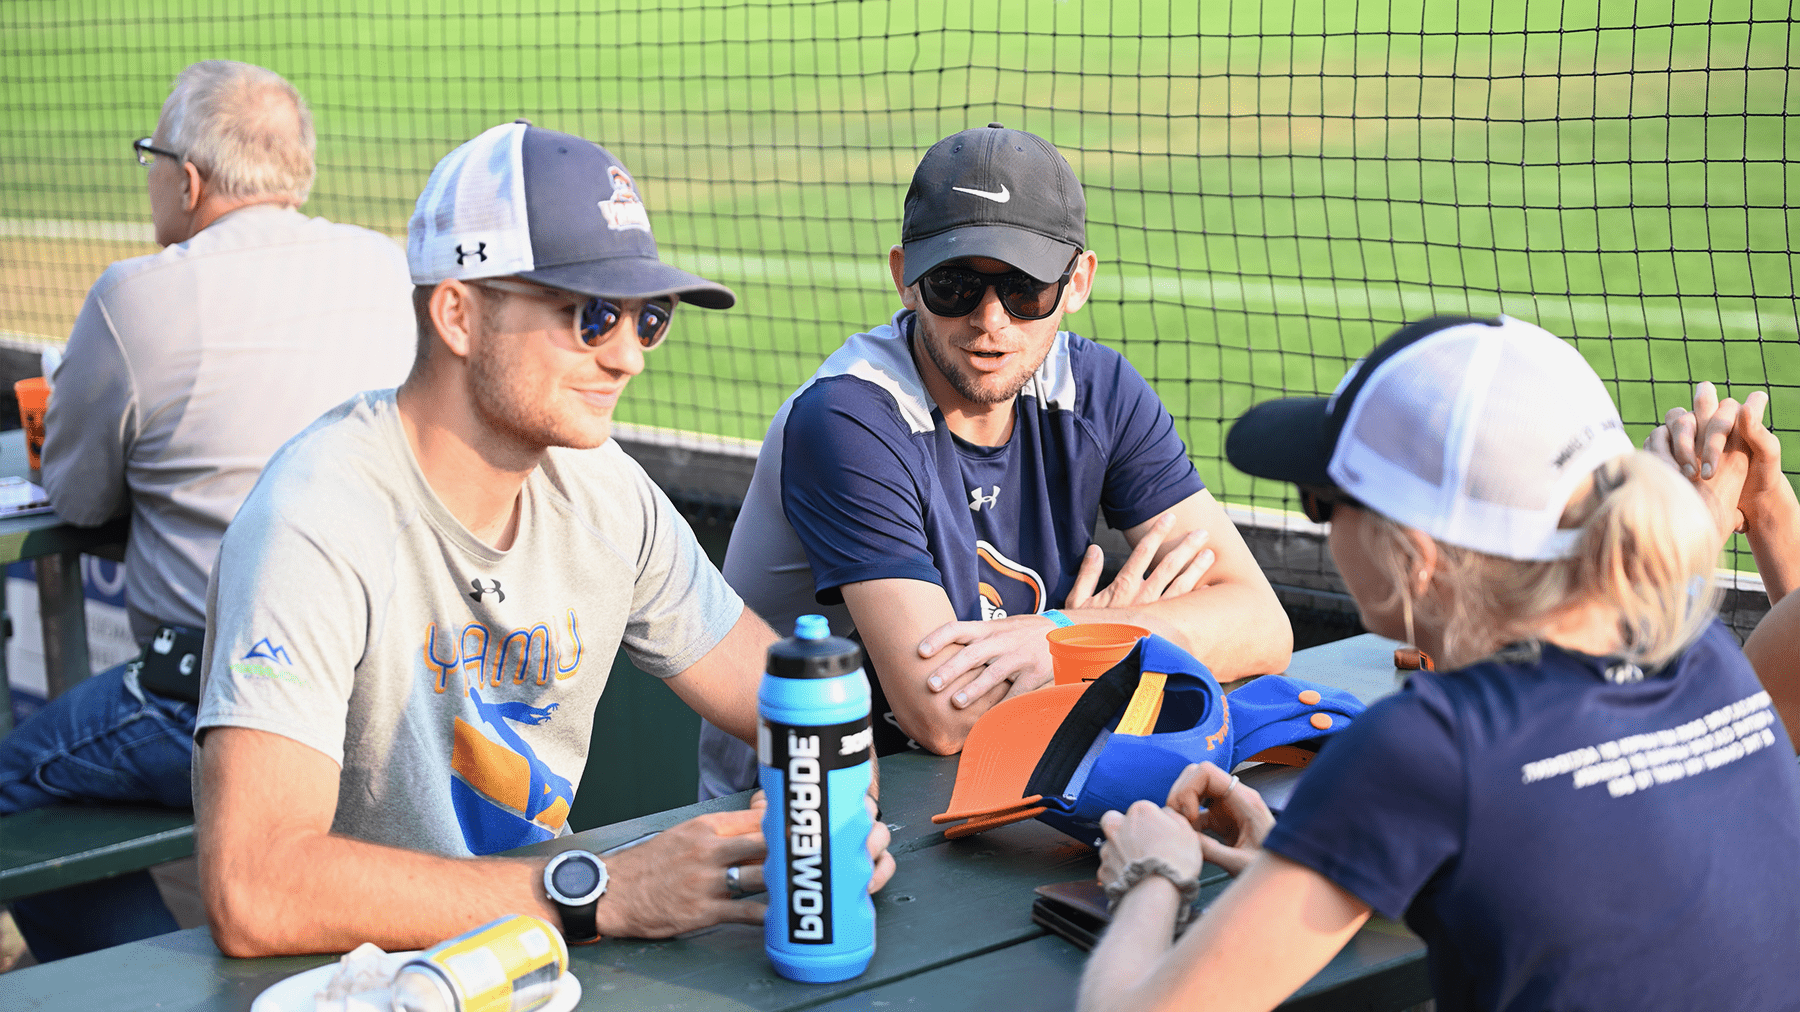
[245, 128]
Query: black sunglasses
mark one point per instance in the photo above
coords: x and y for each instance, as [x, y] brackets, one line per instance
[146, 152]
[1317, 503]
[956, 291]
[599, 316]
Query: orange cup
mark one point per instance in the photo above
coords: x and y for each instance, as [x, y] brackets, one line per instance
[34, 397]
[1082, 653]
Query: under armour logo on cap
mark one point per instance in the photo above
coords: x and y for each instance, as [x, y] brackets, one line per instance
[549, 207]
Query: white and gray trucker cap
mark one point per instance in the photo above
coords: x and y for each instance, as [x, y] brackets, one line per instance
[1475, 431]
[545, 206]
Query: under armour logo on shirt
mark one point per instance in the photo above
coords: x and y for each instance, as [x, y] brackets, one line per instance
[476, 594]
[977, 500]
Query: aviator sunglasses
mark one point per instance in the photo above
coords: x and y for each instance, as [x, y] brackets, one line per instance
[956, 291]
[599, 316]
[1317, 503]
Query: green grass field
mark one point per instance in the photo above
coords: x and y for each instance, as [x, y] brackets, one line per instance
[1272, 187]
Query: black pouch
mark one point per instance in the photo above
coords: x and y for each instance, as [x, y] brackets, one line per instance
[170, 665]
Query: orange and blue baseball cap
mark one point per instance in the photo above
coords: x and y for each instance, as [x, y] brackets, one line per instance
[1068, 754]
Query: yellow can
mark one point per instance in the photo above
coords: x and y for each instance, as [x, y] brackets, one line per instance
[508, 965]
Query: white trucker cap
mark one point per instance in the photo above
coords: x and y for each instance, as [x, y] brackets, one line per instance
[1474, 431]
[549, 207]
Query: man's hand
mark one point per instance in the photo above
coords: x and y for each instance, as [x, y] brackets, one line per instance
[879, 838]
[1147, 829]
[1213, 801]
[1178, 572]
[1015, 649]
[1002, 650]
[675, 882]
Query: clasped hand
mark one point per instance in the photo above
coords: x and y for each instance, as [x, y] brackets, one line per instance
[1726, 451]
[1204, 800]
[1014, 649]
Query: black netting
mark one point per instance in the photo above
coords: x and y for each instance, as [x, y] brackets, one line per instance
[1272, 186]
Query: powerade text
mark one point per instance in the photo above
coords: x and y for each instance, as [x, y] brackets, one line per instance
[805, 756]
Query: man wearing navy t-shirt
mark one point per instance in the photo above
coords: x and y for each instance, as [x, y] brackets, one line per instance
[933, 488]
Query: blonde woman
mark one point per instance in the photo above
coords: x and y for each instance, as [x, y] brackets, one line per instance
[1589, 805]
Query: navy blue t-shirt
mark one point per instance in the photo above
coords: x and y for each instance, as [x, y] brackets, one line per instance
[873, 495]
[1565, 841]
[859, 479]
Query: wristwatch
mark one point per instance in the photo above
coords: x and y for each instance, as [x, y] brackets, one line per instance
[575, 881]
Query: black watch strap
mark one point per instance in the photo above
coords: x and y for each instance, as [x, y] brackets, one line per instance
[575, 880]
[578, 922]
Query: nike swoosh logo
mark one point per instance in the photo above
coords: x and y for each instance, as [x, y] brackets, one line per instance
[999, 196]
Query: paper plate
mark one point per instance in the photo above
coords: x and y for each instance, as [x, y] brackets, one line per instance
[296, 993]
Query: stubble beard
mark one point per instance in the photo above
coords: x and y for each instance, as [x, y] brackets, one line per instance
[966, 386]
[506, 406]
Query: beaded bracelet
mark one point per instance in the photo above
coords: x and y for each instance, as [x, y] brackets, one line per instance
[1142, 868]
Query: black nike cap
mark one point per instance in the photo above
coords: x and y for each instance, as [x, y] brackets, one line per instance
[994, 192]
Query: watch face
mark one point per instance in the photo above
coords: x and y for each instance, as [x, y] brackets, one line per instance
[575, 877]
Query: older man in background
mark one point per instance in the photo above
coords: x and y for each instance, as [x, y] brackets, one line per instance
[184, 372]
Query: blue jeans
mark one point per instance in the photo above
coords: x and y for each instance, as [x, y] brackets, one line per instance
[97, 743]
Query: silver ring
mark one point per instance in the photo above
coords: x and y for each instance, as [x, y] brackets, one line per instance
[733, 883]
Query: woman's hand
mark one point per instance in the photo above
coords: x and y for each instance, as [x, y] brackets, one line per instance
[1147, 830]
[1213, 801]
[1729, 454]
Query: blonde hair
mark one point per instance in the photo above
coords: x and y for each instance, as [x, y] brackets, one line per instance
[1647, 549]
[245, 128]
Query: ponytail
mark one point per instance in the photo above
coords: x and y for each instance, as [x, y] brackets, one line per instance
[1647, 549]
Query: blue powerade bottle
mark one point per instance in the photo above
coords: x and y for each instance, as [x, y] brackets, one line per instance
[816, 750]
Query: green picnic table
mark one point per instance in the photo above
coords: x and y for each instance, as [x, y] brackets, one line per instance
[954, 925]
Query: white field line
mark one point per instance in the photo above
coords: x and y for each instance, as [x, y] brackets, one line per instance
[1319, 299]
[108, 231]
[1194, 289]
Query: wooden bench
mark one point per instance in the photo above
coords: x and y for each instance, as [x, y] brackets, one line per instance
[49, 848]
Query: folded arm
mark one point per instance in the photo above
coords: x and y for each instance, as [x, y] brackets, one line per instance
[1221, 610]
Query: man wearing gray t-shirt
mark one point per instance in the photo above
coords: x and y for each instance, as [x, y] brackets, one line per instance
[414, 615]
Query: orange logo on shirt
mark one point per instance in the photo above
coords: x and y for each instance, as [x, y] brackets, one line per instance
[487, 658]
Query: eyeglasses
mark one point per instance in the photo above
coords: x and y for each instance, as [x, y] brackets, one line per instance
[599, 316]
[956, 291]
[146, 152]
[1317, 503]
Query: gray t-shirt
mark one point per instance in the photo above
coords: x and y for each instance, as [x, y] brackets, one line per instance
[455, 684]
[187, 368]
